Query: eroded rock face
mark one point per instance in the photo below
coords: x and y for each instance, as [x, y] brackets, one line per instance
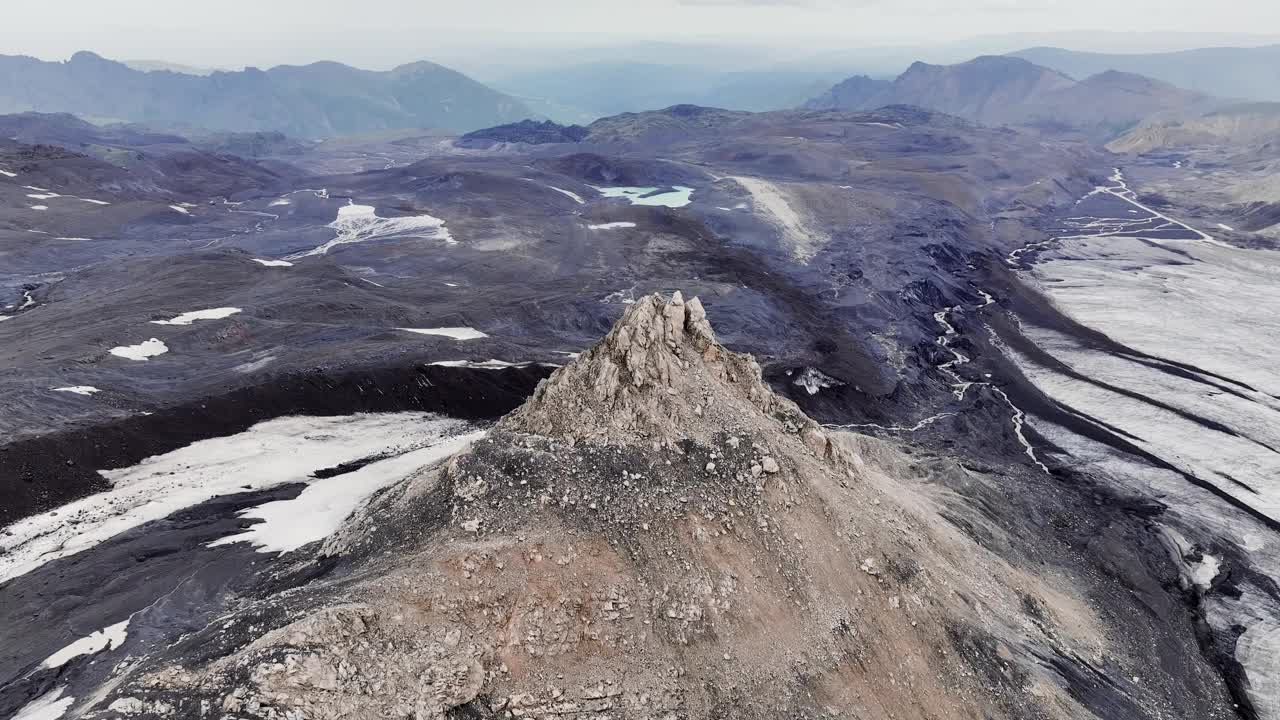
[658, 376]
[653, 535]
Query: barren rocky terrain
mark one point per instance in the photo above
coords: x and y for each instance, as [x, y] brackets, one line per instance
[933, 461]
[656, 534]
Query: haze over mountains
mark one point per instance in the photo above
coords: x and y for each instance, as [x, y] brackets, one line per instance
[323, 99]
[784, 390]
[585, 92]
[1094, 93]
[580, 85]
[1002, 90]
[1241, 72]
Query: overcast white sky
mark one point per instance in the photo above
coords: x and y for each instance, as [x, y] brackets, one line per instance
[384, 32]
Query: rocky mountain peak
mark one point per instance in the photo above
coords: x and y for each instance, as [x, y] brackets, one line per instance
[654, 534]
[659, 376]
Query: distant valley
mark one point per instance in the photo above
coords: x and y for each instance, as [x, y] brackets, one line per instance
[585, 92]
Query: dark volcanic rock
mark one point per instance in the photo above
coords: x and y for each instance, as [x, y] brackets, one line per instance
[860, 256]
[530, 132]
[678, 122]
[50, 470]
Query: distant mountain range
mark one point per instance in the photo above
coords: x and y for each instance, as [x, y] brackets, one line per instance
[313, 101]
[589, 91]
[1251, 73]
[1003, 90]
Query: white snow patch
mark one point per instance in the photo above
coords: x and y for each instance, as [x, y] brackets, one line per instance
[814, 380]
[179, 208]
[49, 706]
[1203, 572]
[576, 197]
[1212, 317]
[486, 365]
[36, 188]
[281, 202]
[319, 511]
[254, 365]
[360, 223]
[457, 333]
[678, 196]
[774, 198]
[611, 226]
[39, 207]
[268, 454]
[274, 263]
[108, 638]
[1226, 227]
[75, 239]
[8, 174]
[626, 297]
[43, 196]
[141, 351]
[85, 390]
[190, 317]
[95, 202]
[1208, 314]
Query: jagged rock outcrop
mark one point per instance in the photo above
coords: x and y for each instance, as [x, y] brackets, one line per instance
[654, 534]
[658, 377]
